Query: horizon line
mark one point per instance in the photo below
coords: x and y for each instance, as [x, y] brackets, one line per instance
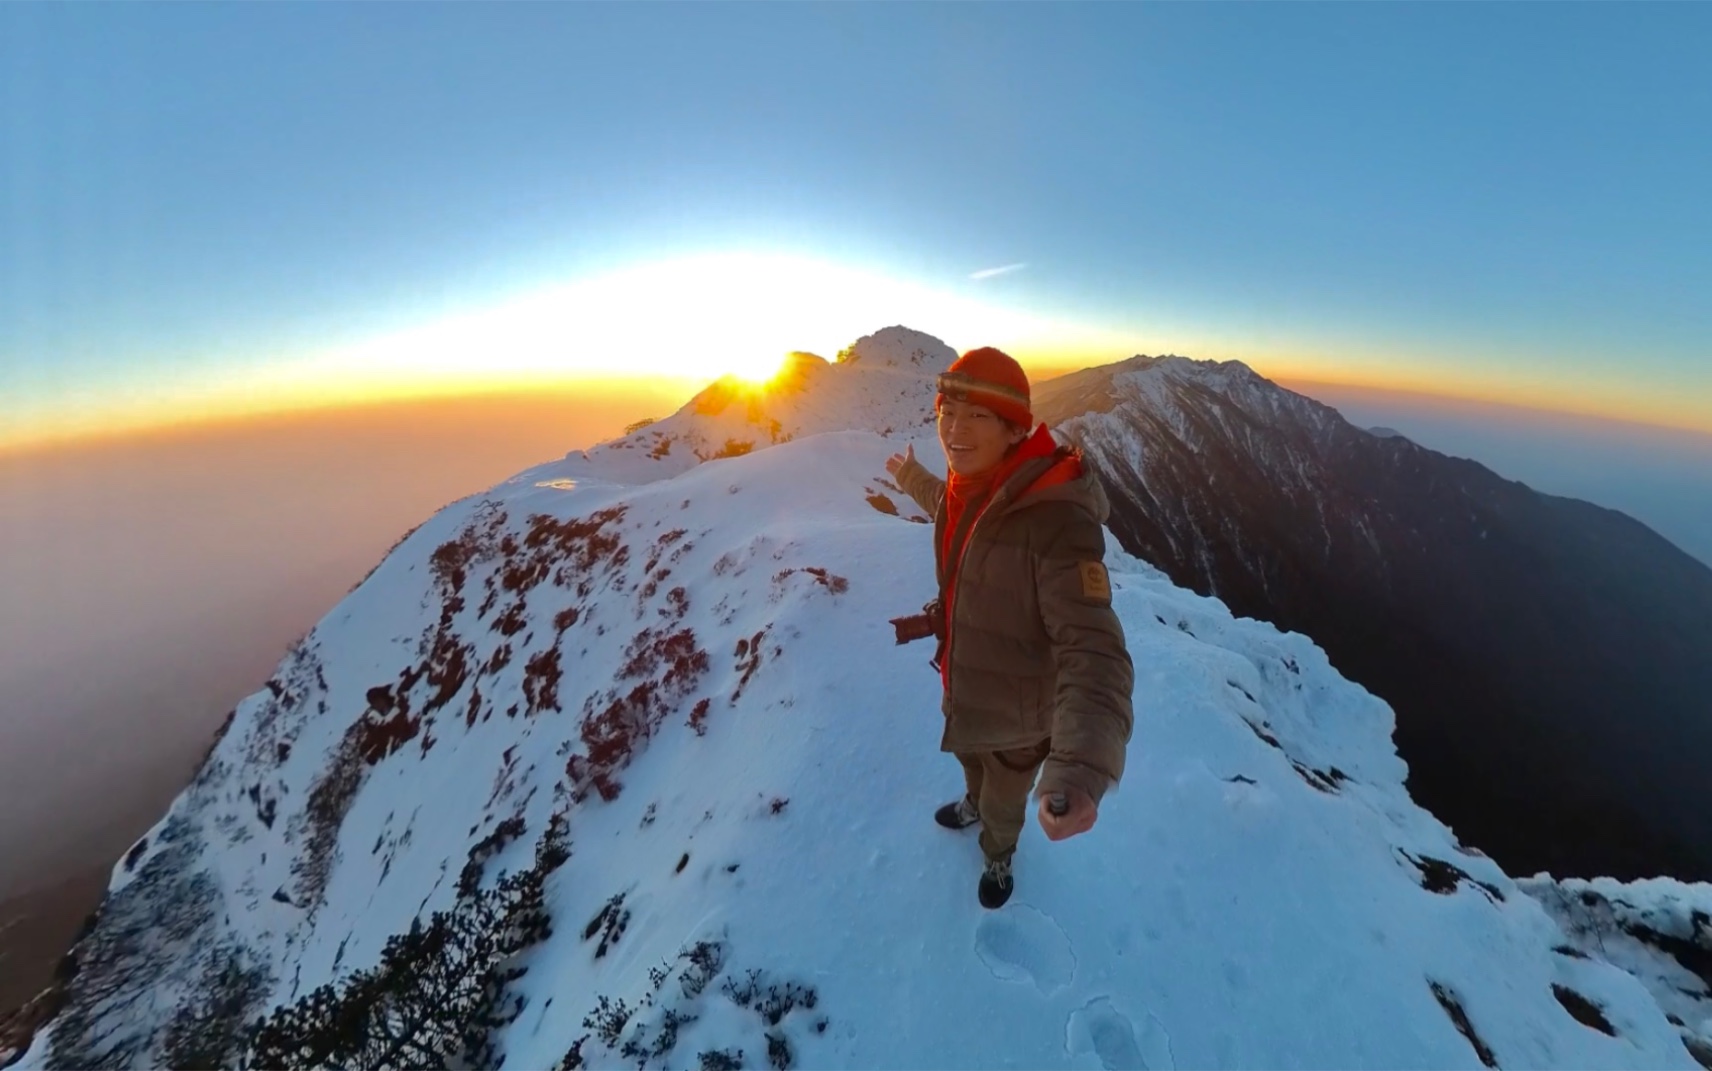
[1041, 371]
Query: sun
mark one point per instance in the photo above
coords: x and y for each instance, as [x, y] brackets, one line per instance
[758, 370]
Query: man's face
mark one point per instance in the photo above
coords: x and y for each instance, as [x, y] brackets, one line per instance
[974, 437]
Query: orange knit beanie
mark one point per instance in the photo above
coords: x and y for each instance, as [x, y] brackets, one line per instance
[992, 378]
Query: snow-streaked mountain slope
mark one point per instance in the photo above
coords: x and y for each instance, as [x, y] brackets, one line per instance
[1658, 929]
[689, 685]
[1545, 658]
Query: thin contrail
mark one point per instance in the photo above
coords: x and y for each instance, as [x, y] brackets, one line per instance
[988, 273]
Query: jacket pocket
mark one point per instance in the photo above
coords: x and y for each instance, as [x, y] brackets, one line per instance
[1024, 759]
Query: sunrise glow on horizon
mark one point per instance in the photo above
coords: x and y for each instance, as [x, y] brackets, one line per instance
[225, 212]
[579, 339]
[599, 338]
[686, 321]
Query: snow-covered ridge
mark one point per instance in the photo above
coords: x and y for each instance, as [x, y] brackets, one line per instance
[882, 383]
[1659, 930]
[604, 771]
[1180, 391]
[1418, 571]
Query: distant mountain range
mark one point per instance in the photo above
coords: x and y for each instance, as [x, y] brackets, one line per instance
[1549, 661]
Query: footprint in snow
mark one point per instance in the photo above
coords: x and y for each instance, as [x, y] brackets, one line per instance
[1101, 1029]
[1024, 945]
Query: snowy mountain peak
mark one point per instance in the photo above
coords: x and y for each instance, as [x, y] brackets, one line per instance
[1190, 400]
[1177, 366]
[1232, 377]
[901, 347]
[884, 383]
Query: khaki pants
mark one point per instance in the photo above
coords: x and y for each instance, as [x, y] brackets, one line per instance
[999, 783]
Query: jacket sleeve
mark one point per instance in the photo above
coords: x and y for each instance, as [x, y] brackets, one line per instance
[1092, 714]
[927, 489]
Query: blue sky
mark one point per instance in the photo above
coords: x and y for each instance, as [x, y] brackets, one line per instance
[1493, 200]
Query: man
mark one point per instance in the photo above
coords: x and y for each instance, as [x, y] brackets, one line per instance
[1032, 659]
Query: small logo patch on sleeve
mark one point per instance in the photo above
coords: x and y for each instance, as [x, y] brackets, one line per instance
[1095, 583]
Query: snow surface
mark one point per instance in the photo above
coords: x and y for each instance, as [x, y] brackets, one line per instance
[1260, 890]
[1648, 928]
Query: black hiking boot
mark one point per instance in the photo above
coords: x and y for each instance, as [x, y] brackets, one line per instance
[959, 814]
[996, 883]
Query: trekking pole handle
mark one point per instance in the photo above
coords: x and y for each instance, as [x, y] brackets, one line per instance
[1057, 804]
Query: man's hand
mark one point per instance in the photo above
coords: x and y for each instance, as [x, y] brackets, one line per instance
[898, 461]
[1079, 817]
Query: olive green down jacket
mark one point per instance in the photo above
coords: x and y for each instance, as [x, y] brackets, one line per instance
[1035, 648]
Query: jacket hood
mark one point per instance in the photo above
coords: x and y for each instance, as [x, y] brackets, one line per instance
[1084, 489]
[1065, 479]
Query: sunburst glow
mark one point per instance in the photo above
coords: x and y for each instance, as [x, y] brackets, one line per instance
[759, 369]
[694, 318]
[689, 321]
